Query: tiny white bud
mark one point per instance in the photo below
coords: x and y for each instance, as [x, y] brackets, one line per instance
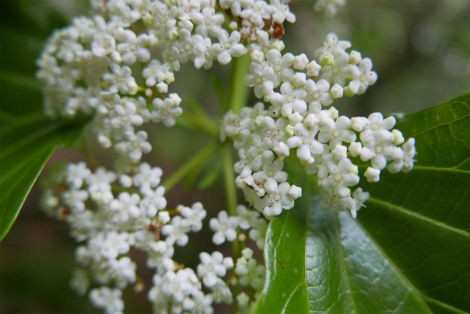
[336, 91]
[372, 174]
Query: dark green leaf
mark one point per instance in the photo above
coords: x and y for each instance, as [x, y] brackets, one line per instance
[422, 218]
[26, 145]
[409, 250]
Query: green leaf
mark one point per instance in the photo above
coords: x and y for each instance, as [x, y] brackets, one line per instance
[26, 145]
[324, 262]
[422, 218]
[409, 250]
[285, 248]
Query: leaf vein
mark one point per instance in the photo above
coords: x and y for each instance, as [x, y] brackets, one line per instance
[414, 214]
[290, 297]
[447, 123]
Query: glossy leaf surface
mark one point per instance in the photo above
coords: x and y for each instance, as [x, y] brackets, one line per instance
[409, 250]
[422, 218]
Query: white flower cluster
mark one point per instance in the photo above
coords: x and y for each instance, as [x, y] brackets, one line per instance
[110, 223]
[299, 117]
[246, 222]
[118, 64]
[248, 273]
[118, 67]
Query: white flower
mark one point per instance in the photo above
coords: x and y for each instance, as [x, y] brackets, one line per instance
[147, 178]
[80, 281]
[135, 145]
[99, 185]
[109, 245]
[224, 228]
[336, 133]
[249, 272]
[220, 292]
[243, 300]
[121, 80]
[103, 44]
[127, 114]
[279, 196]
[305, 142]
[409, 152]
[166, 110]
[126, 205]
[180, 290]
[160, 253]
[153, 202]
[246, 217]
[157, 72]
[213, 267]
[258, 232]
[176, 231]
[372, 174]
[193, 216]
[110, 300]
[123, 271]
[76, 174]
[75, 199]
[228, 47]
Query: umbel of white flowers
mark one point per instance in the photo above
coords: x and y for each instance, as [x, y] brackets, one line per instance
[109, 224]
[119, 65]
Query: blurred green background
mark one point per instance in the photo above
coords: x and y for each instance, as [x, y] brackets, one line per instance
[420, 50]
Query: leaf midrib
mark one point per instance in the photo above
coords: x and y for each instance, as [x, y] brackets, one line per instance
[343, 264]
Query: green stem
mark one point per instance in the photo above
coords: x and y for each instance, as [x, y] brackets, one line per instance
[194, 162]
[196, 122]
[194, 117]
[238, 99]
[239, 91]
[230, 189]
[205, 124]
[231, 195]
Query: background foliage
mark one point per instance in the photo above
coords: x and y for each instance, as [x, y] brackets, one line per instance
[421, 52]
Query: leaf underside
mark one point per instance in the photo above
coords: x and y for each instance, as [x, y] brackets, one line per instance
[409, 249]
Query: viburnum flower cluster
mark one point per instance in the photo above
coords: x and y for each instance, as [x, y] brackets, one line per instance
[297, 115]
[109, 224]
[118, 67]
